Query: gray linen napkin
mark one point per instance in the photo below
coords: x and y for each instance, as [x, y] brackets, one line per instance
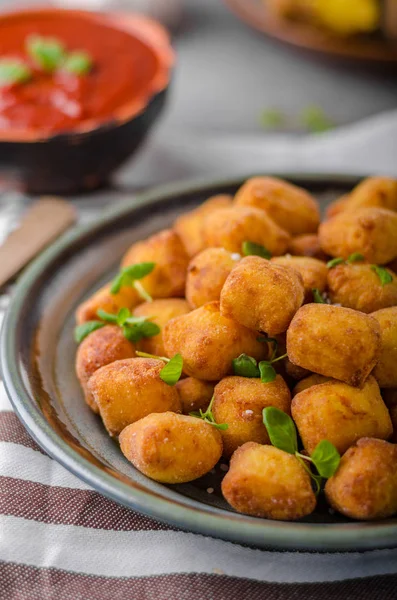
[363, 148]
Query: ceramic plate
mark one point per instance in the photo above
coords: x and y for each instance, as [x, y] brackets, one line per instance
[37, 356]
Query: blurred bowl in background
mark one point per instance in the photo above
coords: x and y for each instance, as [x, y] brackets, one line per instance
[279, 19]
[83, 155]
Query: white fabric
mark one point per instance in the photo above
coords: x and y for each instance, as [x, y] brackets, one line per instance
[368, 147]
[108, 553]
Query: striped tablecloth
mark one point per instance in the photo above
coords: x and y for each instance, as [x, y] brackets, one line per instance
[61, 540]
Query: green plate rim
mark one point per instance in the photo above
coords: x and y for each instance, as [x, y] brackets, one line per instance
[202, 519]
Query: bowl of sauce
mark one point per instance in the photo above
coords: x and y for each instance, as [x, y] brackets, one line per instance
[79, 91]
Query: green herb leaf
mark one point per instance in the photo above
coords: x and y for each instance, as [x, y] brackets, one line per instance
[355, 257]
[81, 331]
[317, 297]
[108, 317]
[315, 119]
[128, 275]
[281, 429]
[139, 270]
[135, 320]
[123, 315]
[245, 366]
[220, 426]
[172, 371]
[268, 373]
[252, 249]
[48, 53]
[272, 118]
[78, 63]
[149, 329]
[384, 275]
[131, 333]
[208, 417]
[138, 331]
[117, 283]
[334, 262]
[325, 458]
[134, 328]
[13, 71]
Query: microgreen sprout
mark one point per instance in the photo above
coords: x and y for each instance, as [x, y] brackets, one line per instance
[252, 249]
[317, 297]
[384, 275]
[13, 71]
[48, 53]
[129, 276]
[133, 328]
[247, 366]
[355, 257]
[172, 371]
[208, 417]
[282, 433]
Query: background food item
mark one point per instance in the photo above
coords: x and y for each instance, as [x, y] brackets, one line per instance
[365, 485]
[336, 16]
[206, 274]
[208, 342]
[171, 448]
[370, 231]
[165, 249]
[380, 192]
[189, 226]
[393, 416]
[334, 342]
[389, 396]
[261, 295]
[195, 394]
[98, 349]
[307, 244]
[291, 207]
[314, 272]
[347, 18]
[341, 414]
[231, 227]
[160, 312]
[292, 370]
[266, 482]
[313, 379]
[358, 286]
[337, 206]
[385, 371]
[128, 390]
[103, 299]
[239, 402]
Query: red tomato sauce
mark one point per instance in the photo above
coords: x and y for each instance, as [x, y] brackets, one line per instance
[123, 67]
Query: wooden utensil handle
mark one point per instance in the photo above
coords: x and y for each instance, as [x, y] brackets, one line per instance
[42, 223]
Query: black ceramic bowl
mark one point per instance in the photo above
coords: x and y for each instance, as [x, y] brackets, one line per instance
[84, 158]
